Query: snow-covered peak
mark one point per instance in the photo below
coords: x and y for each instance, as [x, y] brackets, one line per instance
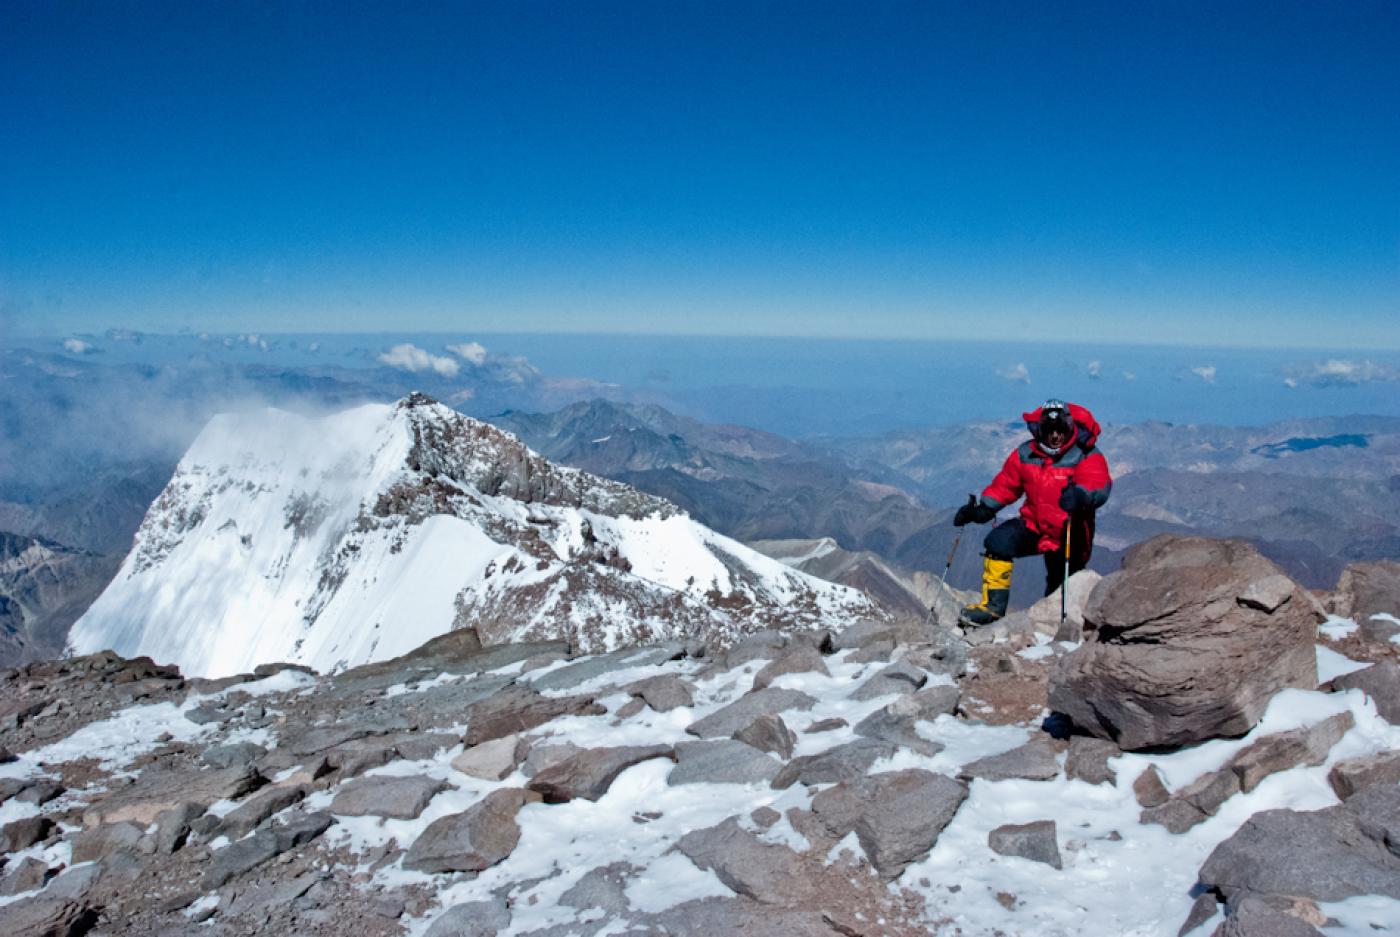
[354, 537]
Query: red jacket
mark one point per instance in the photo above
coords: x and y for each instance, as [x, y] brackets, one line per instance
[1033, 472]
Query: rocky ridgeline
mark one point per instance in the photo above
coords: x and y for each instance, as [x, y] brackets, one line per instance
[880, 780]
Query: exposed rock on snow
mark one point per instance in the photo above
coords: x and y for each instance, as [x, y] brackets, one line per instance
[1351, 775]
[1087, 760]
[1186, 643]
[398, 798]
[1035, 841]
[1366, 589]
[1326, 855]
[1034, 761]
[864, 823]
[590, 773]
[357, 537]
[475, 839]
[1381, 682]
[896, 815]
[722, 761]
[740, 713]
[769, 733]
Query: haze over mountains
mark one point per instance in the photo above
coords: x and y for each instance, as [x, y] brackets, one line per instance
[92, 436]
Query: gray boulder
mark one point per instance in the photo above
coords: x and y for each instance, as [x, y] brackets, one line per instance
[767, 644]
[156, 791]
[1177, 815]
[28, 874]
[841, 763]
[250, 814]
[604, 887]
[1366, 589]
[1149, 788]
[897, 721]
[518, 709]
[544, 754]
[591, 772]
[490, 761]
[724, 722]
[234, 755]
[864, 632]
[768, 734]
[1087, 760]
[400, 798]
[712, 917]
[23, 833]
[723, 761]
[1283, 750]
[472, 840]
[1187, 642]
[1324, 855]
[663, 693]
[1353, 775]
[266, 843]
[599, 665]
[765, 872]
[100, 842]
[1381, 682]
[473, 919]
[900, 677]
[896, 815]
[1044, 615]
[1034, 761]
[796, 658]
[1250, 916]
[173, 827]
[1035, 841]
[1377, 808]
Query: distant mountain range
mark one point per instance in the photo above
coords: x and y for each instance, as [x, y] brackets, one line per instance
[1313, 494]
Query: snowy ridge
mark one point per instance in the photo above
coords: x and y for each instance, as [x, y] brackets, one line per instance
[356, 537]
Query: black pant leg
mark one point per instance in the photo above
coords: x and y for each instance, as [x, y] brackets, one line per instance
[1011, 540]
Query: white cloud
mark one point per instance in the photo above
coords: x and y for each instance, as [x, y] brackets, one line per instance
[76, 346]
[1018, 372]
[473, 352]
[1095, 367]
[412, 358]
[1205, 372]
[1129, 376]
[1340, 372]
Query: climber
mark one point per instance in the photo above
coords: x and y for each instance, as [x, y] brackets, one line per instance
[1064, 480]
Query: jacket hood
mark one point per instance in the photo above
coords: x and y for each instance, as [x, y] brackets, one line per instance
[1086, 428]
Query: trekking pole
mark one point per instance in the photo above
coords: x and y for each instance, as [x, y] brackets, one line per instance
[1064, 580]
[943, 583]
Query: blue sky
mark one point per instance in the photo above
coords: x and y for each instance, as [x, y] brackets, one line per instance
[1186, 172]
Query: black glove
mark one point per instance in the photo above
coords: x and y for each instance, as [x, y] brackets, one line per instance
[974, 512]
[1074, 499]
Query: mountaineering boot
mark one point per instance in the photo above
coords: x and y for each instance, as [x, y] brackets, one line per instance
[996, 593]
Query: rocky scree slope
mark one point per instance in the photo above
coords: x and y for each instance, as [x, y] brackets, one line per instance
[880, 780]
[337, 541]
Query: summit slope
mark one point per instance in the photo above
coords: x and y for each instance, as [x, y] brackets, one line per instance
[355, 537]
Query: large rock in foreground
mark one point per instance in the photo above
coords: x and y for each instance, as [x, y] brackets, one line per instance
[1186, 643]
